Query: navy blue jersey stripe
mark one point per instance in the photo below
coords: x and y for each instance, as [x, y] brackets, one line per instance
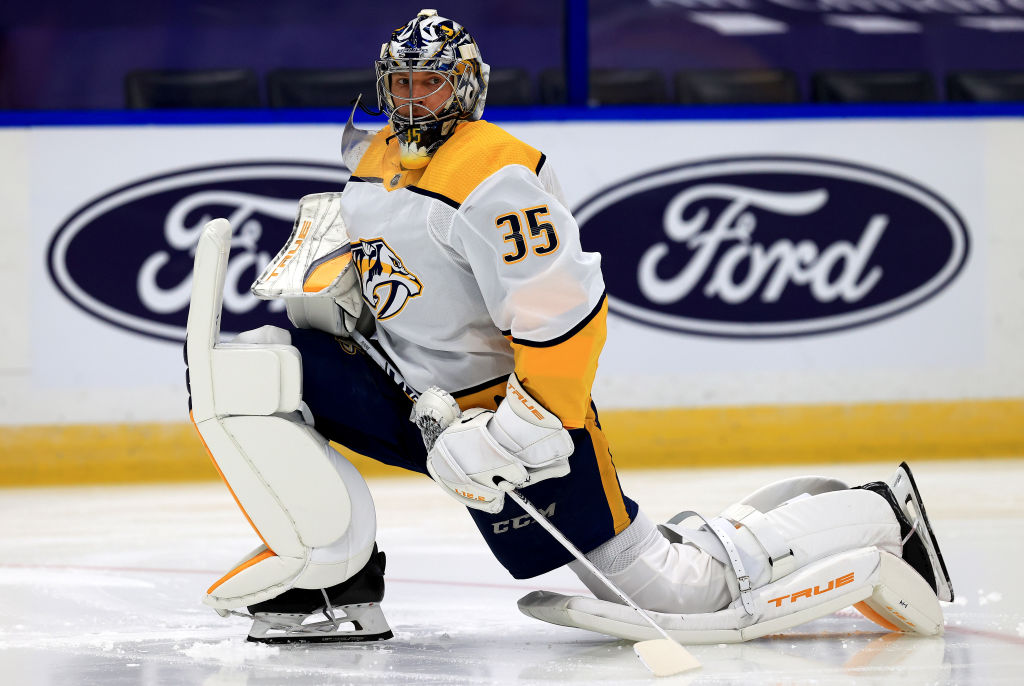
[479, 387]
[567, 335]
[431, 194]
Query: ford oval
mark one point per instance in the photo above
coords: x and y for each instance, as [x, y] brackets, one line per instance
[126, 257]
[771, 246]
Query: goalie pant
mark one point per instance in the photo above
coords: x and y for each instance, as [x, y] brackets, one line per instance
[355, 404]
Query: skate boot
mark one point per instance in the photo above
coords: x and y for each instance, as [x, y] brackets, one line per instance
[920, 549]
[351, 609]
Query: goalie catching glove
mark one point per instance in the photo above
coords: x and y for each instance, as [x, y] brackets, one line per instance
[481, 454]
[314, 272]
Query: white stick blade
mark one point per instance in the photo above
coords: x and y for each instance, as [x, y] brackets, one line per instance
[664, 657]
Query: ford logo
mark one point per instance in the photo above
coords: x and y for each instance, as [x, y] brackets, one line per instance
[127, 256]
[771, 246]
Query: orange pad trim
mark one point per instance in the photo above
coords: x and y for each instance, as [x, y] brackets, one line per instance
[245, 565]
[863, 608]
[231, 490]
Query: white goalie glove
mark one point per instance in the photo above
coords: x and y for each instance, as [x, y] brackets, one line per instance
[483, 453]
[314, 272]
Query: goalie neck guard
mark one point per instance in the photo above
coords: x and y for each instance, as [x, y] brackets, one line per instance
[429, 77]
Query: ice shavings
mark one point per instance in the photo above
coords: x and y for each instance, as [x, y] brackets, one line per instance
[986, 598]
[231, 652]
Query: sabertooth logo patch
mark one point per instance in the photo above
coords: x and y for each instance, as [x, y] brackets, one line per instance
[386, 283]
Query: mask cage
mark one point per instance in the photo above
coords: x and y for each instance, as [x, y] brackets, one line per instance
[403, 110]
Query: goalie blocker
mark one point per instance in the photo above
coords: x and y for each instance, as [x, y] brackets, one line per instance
[308, 504]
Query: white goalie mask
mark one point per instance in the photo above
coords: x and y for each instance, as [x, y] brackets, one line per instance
[429, 77]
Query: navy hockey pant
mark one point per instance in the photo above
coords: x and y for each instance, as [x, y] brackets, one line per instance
[356, 405]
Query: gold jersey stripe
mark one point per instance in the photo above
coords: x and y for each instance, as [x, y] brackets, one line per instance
[476, 150]
[483, 398]
[382, 161]
[609, 478]
[560, 376]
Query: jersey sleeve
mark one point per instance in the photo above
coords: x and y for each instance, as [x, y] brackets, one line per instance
[542, 290]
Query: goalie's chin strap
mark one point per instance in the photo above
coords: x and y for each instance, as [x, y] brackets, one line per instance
[780, 556]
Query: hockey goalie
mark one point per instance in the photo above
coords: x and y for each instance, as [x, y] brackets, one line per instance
[450, 261]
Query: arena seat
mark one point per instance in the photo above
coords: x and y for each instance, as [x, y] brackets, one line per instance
[199, 89]
[321, 87]
[985, 86]
[552, 86]
[872, 87]
[735, 87]
[510, 87]
[609, 87]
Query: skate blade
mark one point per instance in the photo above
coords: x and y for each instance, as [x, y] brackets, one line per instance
[664, 657]
[322, 638]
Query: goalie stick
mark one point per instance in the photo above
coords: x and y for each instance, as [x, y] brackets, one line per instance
[662, 656]
[385, 364]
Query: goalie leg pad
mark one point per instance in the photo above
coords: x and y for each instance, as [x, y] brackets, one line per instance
[780, 492]
[309, 505]
[757, 548]
[885, 583]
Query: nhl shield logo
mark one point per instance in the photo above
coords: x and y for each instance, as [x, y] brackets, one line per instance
[386, 282]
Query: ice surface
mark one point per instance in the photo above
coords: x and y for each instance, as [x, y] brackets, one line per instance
[102, 586]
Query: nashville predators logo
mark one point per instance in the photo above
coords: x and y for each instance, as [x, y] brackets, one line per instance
[387, 285]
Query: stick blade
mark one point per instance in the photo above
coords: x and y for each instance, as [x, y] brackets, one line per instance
[664, 657]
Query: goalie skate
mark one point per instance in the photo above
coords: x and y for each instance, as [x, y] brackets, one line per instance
[927, 552]
[351, 611]
[361, 622]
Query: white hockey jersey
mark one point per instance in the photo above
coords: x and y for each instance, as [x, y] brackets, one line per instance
[473, 268]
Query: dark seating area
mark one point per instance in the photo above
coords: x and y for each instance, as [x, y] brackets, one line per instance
[320, 87]
[985, 86]
[736, 87]
[199, 89]
[516, 87]
[872, 87]
[510, 87]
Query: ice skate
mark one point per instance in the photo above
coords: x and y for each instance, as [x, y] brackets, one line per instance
[351, 611]
[920, 548]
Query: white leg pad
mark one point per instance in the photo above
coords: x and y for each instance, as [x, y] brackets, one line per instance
[309, 505]
[778, 492]
[869, 575]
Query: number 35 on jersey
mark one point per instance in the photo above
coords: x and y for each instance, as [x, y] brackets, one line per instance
[540, 239]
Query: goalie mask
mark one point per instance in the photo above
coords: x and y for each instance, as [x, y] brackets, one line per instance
[429, 77]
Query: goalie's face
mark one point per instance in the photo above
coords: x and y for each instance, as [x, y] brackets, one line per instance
[419, 95]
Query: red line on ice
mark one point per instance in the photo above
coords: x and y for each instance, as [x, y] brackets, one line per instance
[166, 570]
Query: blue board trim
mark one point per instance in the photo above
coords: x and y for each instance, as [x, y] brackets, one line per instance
[577, 52]
[631, 113]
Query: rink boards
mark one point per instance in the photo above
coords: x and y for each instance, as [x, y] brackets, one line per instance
[780, 289]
